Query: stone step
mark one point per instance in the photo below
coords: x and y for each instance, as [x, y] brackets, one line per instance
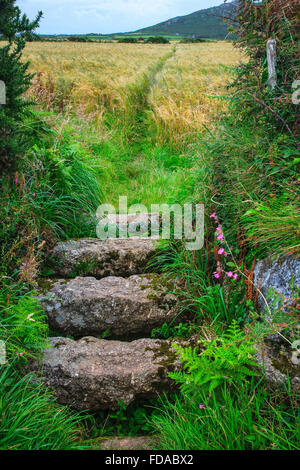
[132, 225]
[95, 374]
[101, 258]
[125, 308]
[125, 443]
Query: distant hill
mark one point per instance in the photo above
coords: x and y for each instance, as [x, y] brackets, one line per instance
[206, 23]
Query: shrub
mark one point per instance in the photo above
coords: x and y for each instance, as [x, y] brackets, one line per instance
[157, 40]
[128, 40]
[256, 23]
[15, 29]
[79, 39]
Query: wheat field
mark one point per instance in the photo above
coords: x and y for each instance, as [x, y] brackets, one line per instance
[92, 79]
[89, 78]
[188, 90]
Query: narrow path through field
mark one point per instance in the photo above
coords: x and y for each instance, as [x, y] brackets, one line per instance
[135, 165]
[104, 299]
[105, 293]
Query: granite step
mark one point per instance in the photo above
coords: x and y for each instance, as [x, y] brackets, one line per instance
[101, 258]
[122, 308]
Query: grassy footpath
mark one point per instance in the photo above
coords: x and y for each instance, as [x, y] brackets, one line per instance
[238, 171]
[67, 170]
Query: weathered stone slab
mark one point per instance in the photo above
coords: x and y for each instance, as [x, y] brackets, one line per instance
[126, 443]
[282, 276]
[96, 374]
[129, 308]
[132, 225]
[277, 365]
[101, 258]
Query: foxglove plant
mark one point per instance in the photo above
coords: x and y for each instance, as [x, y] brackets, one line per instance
[220, 272]
[221, 240]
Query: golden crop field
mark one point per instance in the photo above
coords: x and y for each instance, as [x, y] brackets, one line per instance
[91, 79]
[185, 94]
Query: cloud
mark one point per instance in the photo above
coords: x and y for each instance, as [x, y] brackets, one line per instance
[107, 16]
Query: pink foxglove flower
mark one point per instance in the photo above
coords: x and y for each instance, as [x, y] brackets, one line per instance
[216, 275]
[230, 274]
[235, 276]
[213, 215]
[221, 251]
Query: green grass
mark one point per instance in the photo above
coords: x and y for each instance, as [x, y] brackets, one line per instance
[255, 185]
[244, 170]
[243, 418]
[211, 303]
[55, 196]
[133, 420]
[30, 418]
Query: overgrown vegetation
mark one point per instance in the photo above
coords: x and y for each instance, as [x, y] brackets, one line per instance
[254, 213]
[31, 420]
[156, 139]
[132, 421]
[15, 29]
[44, 185]
[157, 40]
[254, 95]
[237, 418]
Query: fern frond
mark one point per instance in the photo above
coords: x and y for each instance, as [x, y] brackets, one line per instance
[225, 359]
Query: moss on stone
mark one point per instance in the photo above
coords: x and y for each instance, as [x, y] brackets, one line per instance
[284, 365]
[165, 353]
[85, 267]
[45, 285]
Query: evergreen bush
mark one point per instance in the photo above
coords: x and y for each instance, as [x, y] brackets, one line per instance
[15, 30]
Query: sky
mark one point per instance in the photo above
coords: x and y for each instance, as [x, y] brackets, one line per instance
[107, 16]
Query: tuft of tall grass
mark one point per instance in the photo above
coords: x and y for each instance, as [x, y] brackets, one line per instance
[30, 418]
[241, 418]
[254, 184]
[211, 303]
[53, 196]
[275, 226]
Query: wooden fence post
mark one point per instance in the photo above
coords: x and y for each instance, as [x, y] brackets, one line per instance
[2, 93]
[271, 56]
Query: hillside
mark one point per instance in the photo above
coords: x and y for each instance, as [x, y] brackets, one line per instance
[206, 23]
